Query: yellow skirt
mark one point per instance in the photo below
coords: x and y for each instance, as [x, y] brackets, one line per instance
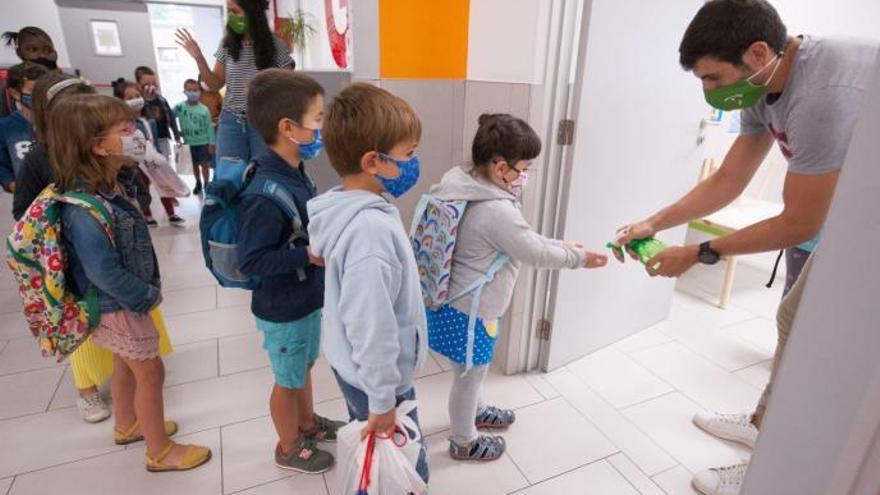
[93, 365]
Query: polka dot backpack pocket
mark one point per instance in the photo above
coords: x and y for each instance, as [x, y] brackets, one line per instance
[433, 234]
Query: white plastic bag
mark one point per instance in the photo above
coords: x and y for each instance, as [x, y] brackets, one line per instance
[160, 173]
[184, 159]
[393, 467]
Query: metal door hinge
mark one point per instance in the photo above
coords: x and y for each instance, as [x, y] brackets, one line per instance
[544, 330]
[565, 134]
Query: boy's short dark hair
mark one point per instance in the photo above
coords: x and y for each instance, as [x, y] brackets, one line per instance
[142, 71]
[725, 29]
[276, 94]
[190, 81]
[19, 74]
[366, 118]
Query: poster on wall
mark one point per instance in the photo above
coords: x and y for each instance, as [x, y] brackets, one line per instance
[324, 28]
[105, 38]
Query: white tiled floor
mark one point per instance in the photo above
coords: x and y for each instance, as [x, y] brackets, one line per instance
[615, 422]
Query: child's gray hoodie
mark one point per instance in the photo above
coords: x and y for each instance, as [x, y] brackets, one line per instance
[374, 318]
[492, 224]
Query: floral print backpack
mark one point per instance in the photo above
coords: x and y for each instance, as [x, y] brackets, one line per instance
[58, 318]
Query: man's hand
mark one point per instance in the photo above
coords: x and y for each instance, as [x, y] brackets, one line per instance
[315, 260]
[673, 261]
[381, 424]
[10, 188]
[640, 230]
[594, 260]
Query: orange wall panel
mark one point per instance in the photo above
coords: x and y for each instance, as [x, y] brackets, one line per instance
[423, 39]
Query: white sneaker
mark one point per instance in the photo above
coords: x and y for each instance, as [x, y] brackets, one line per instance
[735, 427]
[721, 481]
[93, 409]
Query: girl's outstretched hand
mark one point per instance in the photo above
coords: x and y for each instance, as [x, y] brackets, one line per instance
[594, 260]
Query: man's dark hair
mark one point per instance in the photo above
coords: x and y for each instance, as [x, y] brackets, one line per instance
[725, 29]
[19, 74]
[276, 94]
[191, 81]
[142, 71]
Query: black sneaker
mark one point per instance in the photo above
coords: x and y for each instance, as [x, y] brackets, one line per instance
[176, 220]
[151, 222]
[198, 189]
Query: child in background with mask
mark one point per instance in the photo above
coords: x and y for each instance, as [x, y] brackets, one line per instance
[287, 109]
[198, 131]
[17, 130]
[131, 93]
[503, 151]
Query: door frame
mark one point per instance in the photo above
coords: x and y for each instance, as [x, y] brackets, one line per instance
[526, 345]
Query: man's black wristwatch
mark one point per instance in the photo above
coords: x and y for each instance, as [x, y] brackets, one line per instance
[708, 256]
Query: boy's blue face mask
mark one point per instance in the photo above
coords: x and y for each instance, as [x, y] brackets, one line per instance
[307, 151]
[409, 176]
[27, 100]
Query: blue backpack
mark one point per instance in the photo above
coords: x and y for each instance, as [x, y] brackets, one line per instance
[219, 221]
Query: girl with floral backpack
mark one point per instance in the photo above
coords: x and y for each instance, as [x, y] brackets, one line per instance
[92, 233]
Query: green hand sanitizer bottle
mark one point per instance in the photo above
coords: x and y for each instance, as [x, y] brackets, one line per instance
[645, 248]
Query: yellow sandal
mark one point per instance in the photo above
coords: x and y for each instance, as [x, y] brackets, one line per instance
[193, 457]
[132, 435]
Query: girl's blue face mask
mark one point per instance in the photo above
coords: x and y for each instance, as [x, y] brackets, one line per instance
[308, 151]
[409, 176]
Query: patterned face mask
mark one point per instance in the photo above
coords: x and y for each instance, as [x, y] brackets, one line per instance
[409, 176]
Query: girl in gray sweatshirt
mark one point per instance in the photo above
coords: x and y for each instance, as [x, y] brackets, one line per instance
[492, 224]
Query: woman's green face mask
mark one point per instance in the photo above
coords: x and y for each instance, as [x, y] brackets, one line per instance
[743, 93]
[237, 23]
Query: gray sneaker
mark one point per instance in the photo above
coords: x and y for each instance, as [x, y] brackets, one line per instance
[306, 458]
[325, 429]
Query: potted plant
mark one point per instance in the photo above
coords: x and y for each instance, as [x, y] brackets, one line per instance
[295, 31]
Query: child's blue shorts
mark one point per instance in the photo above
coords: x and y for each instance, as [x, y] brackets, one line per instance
[293, 346]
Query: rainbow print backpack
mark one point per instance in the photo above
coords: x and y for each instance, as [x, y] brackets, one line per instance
[433, 234]
[59, 319]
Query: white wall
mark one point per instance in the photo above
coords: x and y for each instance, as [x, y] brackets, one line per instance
[507, 40]
[824, 414]
[134, 31]
[40, 13]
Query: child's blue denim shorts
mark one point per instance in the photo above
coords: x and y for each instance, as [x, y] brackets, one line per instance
[293, 346]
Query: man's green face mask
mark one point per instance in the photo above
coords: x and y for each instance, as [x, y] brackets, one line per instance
[743, 93]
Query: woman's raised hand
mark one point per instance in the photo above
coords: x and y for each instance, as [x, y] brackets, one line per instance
[188, 43]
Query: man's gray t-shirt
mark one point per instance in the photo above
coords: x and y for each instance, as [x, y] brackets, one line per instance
[814, 118]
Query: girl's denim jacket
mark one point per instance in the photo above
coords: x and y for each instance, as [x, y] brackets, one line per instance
[125, 272]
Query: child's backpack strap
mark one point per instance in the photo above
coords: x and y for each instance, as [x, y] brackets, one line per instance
[276, 193]
[477, 288]
[97, 207]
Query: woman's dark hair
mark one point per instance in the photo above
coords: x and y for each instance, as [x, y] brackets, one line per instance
[13, 38]
[258, 28]
[503, 136]
[725, 29]
[43, 104]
